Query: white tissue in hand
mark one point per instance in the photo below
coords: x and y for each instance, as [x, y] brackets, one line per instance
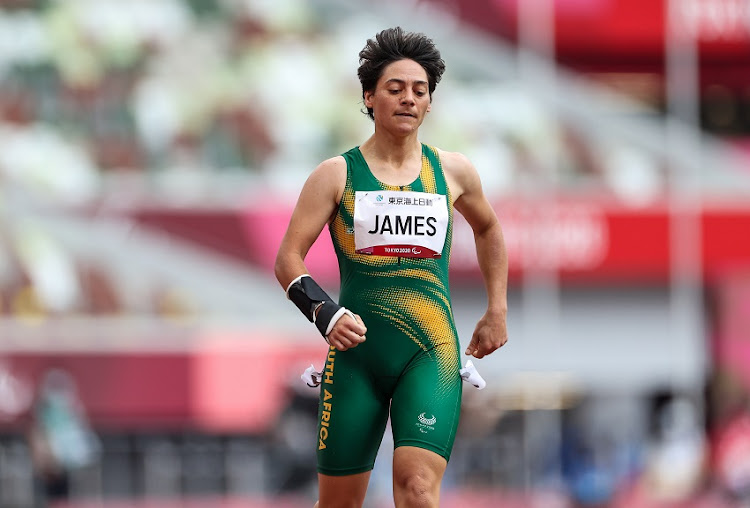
[311, 377]
[471, 375]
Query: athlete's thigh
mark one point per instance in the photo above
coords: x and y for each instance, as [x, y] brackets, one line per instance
[351, 416]
[426, 403]
[336, 491]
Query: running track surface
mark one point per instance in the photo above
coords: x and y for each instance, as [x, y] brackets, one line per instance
[453, 499]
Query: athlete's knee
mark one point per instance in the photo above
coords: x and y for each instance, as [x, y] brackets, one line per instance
[340, 503]
[418, 488]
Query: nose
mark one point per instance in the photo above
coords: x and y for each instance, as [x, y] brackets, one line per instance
[408, 97]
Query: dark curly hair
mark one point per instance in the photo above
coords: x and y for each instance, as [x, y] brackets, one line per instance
[391, 45]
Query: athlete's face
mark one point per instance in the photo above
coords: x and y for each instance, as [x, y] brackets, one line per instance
[401, 98]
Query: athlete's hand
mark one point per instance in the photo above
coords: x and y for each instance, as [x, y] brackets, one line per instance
[347, 332]
[489, 335]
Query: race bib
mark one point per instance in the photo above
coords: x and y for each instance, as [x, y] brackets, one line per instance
[400, 223]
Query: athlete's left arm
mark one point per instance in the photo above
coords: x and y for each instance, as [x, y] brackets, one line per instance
[471, 202]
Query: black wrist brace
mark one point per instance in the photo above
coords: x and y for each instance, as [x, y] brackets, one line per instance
[308, 296]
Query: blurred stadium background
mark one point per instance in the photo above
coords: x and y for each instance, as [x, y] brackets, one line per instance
[151, 152]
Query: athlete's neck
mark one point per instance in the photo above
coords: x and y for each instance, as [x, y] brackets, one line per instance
[394, 153]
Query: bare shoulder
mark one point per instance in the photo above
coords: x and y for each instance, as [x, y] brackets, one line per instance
[461, 174]
[333, 168]
[466, 191]
[454, 161]
[329, 177]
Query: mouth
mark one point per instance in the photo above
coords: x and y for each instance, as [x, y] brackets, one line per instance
[406, 114]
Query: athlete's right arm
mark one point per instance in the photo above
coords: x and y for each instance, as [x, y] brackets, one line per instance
[316, 204]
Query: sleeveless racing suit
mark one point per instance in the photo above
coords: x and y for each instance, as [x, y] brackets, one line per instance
[409, 365]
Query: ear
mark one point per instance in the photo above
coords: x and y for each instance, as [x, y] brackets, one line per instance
[429, 107]
[368, 99]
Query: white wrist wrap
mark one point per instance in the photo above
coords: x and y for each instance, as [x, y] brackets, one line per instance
[315, 304]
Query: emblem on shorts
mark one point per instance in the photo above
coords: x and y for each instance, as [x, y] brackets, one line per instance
[424, 423]
[427, 421]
